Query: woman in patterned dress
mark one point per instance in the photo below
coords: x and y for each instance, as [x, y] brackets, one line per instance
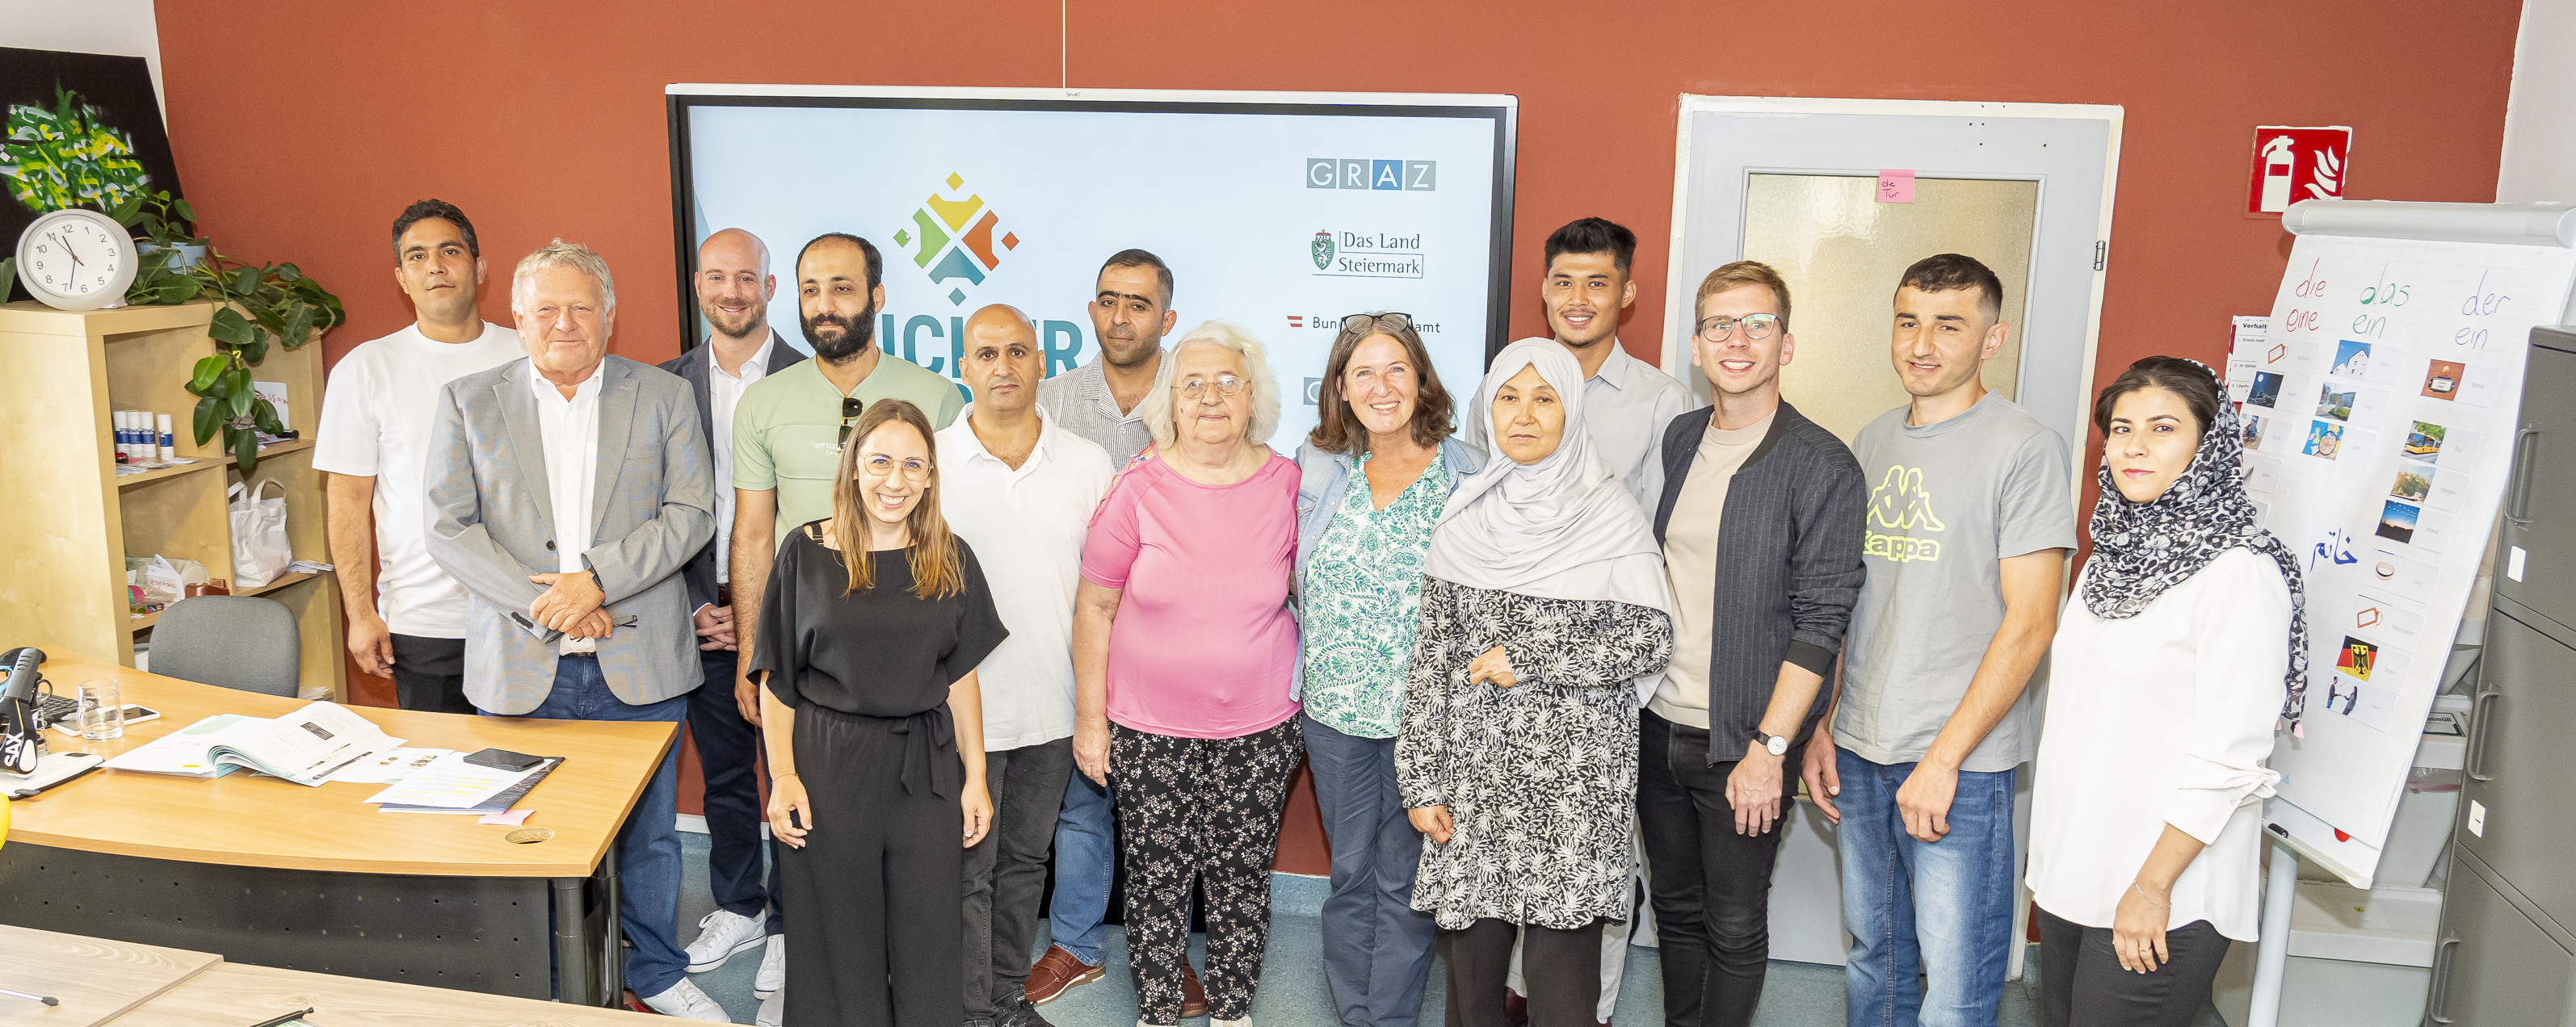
[1546, 622]
[1374, 476]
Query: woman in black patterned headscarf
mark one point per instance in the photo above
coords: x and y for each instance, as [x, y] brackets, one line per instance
[2184, 652]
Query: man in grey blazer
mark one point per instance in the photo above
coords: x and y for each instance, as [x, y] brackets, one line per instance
[734, 287]
[566, 492]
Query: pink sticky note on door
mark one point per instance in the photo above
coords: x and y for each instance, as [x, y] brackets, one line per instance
[1896, 185]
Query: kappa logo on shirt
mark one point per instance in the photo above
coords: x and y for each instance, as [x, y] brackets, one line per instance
[1899, 503]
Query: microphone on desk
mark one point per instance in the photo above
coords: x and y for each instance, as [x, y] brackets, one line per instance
[20, 737]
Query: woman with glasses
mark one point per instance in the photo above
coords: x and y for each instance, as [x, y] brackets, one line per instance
[1183, 648]
[1546, 620]
[870, 629]
[1373, 476]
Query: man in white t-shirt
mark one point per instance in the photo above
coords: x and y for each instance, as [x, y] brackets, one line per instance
[407, 621]
[1020, 489]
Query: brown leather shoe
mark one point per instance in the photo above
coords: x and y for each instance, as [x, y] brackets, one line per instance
[1058, 971]
[1193, 997]
[1515, 1009]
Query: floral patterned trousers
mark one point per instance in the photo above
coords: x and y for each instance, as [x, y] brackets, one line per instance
[1204, 810]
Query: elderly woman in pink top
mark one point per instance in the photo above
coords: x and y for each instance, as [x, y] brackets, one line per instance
[1183, 648]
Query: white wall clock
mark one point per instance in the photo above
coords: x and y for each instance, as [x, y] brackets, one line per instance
[76, 259]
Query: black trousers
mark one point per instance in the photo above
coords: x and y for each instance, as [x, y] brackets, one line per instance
[2081, 983]
[728, 751]
[875, 887]
[1006, 872]
[1562, 969]
[1204, 811]
[429, 674]
[1711, 887]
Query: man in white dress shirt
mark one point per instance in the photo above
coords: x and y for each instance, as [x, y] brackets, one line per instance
[734, 287]
[407, 619]
[1020, 490]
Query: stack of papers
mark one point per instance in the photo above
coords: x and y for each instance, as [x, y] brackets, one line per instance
[306, 746]
[448, 784]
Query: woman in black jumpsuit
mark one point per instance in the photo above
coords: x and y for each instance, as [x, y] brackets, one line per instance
[875, 735]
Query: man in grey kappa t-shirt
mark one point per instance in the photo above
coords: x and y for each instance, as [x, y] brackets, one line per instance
[1969, 521]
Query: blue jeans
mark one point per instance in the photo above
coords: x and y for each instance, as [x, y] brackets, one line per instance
[1377, 947]
[1946, 906]
[1086, 855]
[648, 847]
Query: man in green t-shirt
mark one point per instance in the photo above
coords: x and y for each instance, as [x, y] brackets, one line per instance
[788, 429]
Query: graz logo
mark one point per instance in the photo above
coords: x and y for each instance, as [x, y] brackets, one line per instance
[1323, 250]
[1382, 175]
[940, 232]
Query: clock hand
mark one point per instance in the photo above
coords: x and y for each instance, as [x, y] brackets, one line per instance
[67, 249]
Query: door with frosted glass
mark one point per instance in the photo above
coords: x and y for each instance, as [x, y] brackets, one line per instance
[2025, 188]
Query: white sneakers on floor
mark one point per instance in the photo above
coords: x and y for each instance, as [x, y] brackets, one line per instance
[685, 1001]
[773, 970]
[773, 1010]
[722, 934]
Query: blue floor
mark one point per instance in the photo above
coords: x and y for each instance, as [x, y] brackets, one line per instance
[1292, 978]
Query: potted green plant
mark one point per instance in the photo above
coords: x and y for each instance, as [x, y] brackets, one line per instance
[269, 303]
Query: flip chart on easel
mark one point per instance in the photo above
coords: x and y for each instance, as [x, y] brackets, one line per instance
[2378, 429]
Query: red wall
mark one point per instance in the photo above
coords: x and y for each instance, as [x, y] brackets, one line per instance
[301, 129]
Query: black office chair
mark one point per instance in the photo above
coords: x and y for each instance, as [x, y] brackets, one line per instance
[244, 642]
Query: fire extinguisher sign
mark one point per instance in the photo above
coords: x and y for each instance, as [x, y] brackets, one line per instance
[2293, 164]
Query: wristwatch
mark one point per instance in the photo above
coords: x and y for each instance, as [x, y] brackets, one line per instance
[1775, 744]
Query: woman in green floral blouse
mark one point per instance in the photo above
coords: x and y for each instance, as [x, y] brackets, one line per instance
[1376, 472]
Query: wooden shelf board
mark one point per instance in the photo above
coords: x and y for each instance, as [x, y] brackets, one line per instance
[282, 581]
[36, 318]
[167, 473]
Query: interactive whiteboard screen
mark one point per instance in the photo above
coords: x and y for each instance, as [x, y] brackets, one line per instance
[1279, 212]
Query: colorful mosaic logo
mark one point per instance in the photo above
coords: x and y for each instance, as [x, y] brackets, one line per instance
[942, 241]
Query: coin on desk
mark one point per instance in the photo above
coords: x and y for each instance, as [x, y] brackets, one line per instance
[529, 835]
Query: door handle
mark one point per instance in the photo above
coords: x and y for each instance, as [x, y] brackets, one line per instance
[2437, 1005]
[2480, 712]
[2518, 506]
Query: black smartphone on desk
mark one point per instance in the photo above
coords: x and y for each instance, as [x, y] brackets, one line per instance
[504, 759]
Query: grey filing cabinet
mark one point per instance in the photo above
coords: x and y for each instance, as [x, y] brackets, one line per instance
[2506, 954]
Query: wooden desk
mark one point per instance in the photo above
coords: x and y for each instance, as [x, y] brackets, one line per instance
[97, 980]
[237, 995]
[267, 871]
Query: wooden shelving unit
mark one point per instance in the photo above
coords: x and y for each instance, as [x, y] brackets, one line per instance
[70, 521]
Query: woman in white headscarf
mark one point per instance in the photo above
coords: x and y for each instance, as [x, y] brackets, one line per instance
[1546, 621]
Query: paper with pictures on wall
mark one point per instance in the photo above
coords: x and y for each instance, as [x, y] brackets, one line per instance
[2378, 422]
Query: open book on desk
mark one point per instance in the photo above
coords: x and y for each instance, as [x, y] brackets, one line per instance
[304, 746]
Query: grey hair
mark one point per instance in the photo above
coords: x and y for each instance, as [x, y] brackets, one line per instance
[562, 254]
[1159, 404]
[759, 248]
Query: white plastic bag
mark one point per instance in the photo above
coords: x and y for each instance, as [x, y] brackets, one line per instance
[260, 552]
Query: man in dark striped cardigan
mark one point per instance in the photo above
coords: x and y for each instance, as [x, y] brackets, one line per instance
[1760, 520]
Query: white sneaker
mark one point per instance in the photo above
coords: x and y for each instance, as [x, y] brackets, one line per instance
[773, 1010]
[721, 934]
[685, 1001]
[773, 968]
[1245, 1022]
